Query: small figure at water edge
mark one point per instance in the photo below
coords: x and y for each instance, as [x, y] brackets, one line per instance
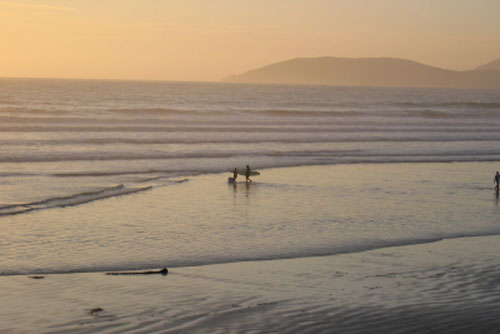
[247, 174]
[233, 179]
[496, 180]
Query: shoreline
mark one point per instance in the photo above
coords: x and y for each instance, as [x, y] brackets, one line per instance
[445, 286]
[102, 193]
[340, 209]
[111, 271]
[448, 285]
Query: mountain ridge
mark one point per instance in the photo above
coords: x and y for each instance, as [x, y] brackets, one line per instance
[381, 71]
[491, 66]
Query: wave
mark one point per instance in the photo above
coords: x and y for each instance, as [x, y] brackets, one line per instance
[311, 153]
[352, 110]
[328, 109]
[87, 120]
[477, 136]
[238, 129]
[34, 111]
[71, 200]
[382, 157]
[426, 114]
[150, 110]
[307, 113]
[205, 110]
[452, 104]
[190, 262]
[166, 173]
[125, 156]
[17, 174]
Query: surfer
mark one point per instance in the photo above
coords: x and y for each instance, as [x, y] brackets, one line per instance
[247, 174]
[496, 180]
[235, 174]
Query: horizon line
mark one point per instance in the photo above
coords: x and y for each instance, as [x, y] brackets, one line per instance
[105, 79]
[221, 80]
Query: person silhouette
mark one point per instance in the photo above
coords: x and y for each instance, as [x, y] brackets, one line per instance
[247, 174]
[496, 180]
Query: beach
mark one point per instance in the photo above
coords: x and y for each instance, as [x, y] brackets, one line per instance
[449, 286]
[284, 213]
[265, 167]
[374, 210]
[444, 279]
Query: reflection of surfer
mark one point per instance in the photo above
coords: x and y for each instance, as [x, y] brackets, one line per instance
[235, 174]
[496, 180]
[247, 174]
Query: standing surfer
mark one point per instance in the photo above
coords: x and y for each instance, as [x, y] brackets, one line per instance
[496, 180]
[247, 174]
[235, 174]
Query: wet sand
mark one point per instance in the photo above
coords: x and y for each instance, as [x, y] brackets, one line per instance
[449, 286]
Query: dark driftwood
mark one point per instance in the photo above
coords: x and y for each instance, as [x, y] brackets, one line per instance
[93, 312]
[36, 277]
[163, 272]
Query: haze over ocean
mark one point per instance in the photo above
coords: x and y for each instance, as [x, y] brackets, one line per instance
[69, 148]
[372, 206]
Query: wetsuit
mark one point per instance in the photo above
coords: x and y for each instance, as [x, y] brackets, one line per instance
[247, 174]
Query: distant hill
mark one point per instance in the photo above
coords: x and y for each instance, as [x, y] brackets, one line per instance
[491, 66]
[366, 72]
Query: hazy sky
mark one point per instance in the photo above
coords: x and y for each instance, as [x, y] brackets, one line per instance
[211, 39]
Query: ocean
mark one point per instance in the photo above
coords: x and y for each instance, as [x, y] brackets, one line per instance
[107, 175]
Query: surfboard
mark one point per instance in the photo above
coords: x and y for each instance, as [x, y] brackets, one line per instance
[252, 173]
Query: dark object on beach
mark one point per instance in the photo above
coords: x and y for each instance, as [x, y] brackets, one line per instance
[163, 272]
[93, 312]
[247, 174]
[36, 277]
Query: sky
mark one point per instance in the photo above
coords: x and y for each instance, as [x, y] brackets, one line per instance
[207, 40]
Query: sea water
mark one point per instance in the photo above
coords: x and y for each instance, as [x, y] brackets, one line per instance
[102, 175]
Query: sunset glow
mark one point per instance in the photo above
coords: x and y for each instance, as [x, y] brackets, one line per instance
[209, 40]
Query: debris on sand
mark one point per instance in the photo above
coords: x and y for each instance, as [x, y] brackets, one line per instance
[94, 312]
[163, 272]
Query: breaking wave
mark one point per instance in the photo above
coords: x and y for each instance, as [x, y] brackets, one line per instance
[71, 200]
